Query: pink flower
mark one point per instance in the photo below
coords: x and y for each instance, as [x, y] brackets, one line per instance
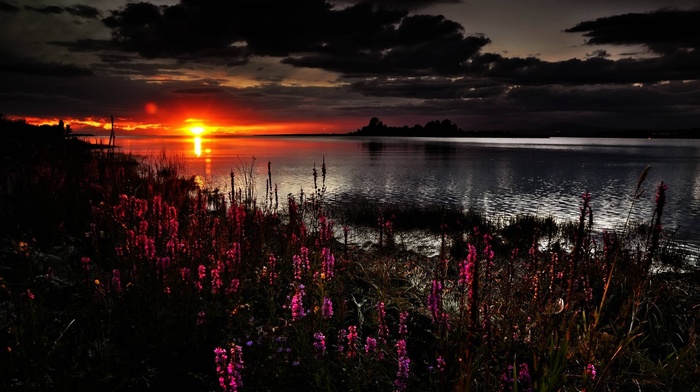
[320, 343]
[403, 330]
[435, 302]
[233, 287]
[590, 370]
[229, 367]
[297, 304]
[370, 345]
[327, 308]
[352, 341]
[402, 374]
[327, 264]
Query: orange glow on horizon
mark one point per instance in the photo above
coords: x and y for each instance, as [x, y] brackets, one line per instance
[193, 126]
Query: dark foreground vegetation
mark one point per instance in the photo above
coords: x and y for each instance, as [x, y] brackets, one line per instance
[118, 276]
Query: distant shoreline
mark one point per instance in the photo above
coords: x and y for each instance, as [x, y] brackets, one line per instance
[482, 136]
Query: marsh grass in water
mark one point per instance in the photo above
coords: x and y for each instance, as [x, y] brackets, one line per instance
[157, 283]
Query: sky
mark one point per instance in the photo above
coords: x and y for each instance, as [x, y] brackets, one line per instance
[287, 66]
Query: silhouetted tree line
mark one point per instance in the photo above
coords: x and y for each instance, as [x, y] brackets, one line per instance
[444, 128]
[435, 128]
[21, 130]
[23, 140]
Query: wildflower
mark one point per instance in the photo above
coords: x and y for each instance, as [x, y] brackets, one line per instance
[232, 287]
[30, 295]
[171, 248]
[402, 374]
[435, 301]
[233, 255]
[325, 231]
[342, 333]
[590, 371]
[200, 318]
[185, 274]
[327, 308]
[440, 364]
[320, 343]
[383, 331]
[403, 330]
[228, 367]
[507, 380]
[271, 265]
[220, 360]
[370, 345]
[216, 282]
[296, 261]
[327, 264]
[352, 341]
[524, 378]
[201, 274]
[298, 304]
[304, 254]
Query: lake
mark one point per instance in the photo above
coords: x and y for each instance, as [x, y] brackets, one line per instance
[498, 177]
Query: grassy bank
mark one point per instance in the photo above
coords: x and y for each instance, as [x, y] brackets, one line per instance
[120, 276]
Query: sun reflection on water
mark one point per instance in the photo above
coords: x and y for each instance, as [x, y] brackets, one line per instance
[198, 146]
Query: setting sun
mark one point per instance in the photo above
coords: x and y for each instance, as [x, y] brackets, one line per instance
[197, 130]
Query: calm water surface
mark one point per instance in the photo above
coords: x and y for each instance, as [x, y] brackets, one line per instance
[499, 177]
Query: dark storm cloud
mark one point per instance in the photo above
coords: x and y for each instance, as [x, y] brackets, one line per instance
[421, 44]
[7, 7]
[594, 70]
[199, 90]
[599, 53]
[663, 31]
[50, 9]
[84, 45]
[488, 74]
[365, 40]
[84, 11]
[428, 88]
[360, 38]
[267, 28]
[35, 67]
[409, 87]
